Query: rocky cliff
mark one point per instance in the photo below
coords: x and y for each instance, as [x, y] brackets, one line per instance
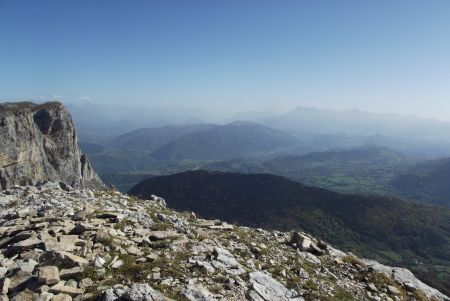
[83, 245]
[38, 142]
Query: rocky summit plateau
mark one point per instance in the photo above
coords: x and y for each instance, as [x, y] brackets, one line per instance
[64, 236]
[103, 245]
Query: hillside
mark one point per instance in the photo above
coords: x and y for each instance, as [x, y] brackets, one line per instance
[427, 182]
[390, 230]
[366, 169]
[108, 246]
[150, 139]
[232, 140]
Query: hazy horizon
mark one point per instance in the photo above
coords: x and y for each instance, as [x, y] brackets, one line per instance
[226, 57]
[213, 114]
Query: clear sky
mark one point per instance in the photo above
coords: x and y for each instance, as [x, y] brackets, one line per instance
[381, 56]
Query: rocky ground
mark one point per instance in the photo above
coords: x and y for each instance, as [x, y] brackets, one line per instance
[82, 245]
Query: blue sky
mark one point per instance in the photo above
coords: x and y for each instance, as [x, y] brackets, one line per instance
[227, 56]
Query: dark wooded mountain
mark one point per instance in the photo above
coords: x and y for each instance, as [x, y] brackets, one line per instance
[124, 181]
[234, 140]
[426, 182]
[387, 229]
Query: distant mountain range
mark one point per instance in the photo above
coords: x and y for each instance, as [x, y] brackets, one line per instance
[233, 140]
[319, 129]
[147, 148]
[251, 148]
[388, 229]
[357, 122]
[101, 122]
[411, 134]
[151, 139]
[349, 151]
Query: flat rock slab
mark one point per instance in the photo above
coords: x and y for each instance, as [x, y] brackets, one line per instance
[265, 288]
[67, 290]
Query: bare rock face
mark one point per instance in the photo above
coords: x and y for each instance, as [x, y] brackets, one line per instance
[38, 142]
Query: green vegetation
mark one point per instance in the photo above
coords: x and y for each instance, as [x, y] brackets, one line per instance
[389, 230]
[340, 295]
[367, 169]
[426, 182]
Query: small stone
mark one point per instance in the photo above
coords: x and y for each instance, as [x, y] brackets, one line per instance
[45, 296]
[72, 283]
[62, 297]
[60, 288]
[303, 242]
[28, 244]
[25, 295]
[372, 287]
[48, 275]
[99, 262]
[44, 288]
[410, 287]
[102, 236]
[71, 259]
[262, 284]
[79, 216]
[194, 292]
[70, 273]
[85, 297]
[393, 290]
[151, 257]
[28, 267]
[32, 254]
[133, 250]
[5, 283]
[303, 274]
[117, 264]
[86, 282]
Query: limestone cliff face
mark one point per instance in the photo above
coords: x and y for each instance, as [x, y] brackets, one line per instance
[38, 142]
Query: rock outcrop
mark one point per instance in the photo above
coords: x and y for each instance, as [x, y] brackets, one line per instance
[38, 142]
[106, 246]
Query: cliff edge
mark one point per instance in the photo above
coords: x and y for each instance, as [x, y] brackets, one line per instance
[38, 143]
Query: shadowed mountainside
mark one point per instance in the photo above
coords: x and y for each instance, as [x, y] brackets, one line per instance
[387, 229]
